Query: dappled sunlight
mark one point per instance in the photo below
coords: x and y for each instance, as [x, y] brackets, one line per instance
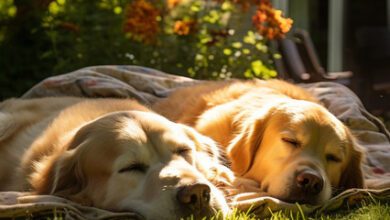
[195, 38]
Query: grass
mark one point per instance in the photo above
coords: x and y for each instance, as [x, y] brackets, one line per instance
[371, 211]
[367, 211]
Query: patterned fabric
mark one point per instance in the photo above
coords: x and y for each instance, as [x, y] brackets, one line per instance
[21, 205]
[144, 84]
[149, 85]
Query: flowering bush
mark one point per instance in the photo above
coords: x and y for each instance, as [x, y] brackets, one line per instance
[197, 38]
[206, 39]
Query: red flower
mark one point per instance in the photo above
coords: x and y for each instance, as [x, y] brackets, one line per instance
[141, 21]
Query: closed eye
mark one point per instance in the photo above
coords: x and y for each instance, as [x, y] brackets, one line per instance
[332, 158]
[292, 142]
[135, 167]
[182, 151]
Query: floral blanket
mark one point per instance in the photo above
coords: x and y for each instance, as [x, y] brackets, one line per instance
[149, 85]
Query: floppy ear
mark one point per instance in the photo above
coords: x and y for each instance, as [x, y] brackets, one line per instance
[241, 151]
[61, 173]
[352, 177]
[68, 176]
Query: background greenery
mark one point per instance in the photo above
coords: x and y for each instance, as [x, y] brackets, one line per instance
[196, 38]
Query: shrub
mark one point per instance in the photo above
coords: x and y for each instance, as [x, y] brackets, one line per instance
[196, 38]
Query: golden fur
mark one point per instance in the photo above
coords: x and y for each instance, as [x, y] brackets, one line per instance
[274, 133]
[111, 154]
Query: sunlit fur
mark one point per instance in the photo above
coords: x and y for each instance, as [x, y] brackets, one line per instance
[76, 148]
[252, 120]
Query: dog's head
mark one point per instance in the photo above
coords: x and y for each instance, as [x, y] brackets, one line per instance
[297, 151]
[137, 161]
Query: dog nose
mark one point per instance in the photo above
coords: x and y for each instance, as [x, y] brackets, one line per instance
[310, 182]
[195, 196]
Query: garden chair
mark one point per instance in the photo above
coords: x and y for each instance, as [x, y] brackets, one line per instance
[300, 62]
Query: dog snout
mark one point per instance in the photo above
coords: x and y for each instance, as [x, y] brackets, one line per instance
[310, 182]
[195, 196]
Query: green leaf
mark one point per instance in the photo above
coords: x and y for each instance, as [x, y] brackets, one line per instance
[61, 2]
[118, 10]
[54, 8]
[257, 67]
[227, 51]
[250, 38]
[237, 45]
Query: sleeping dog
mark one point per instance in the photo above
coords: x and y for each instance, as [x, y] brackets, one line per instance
[111, 154]
[274, 133]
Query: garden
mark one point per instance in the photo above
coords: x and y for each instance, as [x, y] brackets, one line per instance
[195, 38]
[199, 39]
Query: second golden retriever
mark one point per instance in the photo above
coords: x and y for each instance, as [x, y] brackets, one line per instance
[274, 133]
[111, 154]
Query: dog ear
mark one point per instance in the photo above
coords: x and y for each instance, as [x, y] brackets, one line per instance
[68, 176]
[352, 177]
[242, 149]
[61, 173]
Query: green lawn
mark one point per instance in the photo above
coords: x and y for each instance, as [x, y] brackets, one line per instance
[370, 211]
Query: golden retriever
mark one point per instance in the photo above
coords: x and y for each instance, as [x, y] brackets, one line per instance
[275, 133]
[111, 154]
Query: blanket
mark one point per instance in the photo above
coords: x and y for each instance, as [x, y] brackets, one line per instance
[149, 85]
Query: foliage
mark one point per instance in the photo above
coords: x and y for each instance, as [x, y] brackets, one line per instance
[196, 38]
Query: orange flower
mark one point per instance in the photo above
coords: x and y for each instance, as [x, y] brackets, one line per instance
[173, 3]
[270, 22]
[141, 21]
[184, 27]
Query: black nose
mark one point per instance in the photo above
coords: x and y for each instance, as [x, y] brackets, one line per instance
[310, 182]
[195, 196]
